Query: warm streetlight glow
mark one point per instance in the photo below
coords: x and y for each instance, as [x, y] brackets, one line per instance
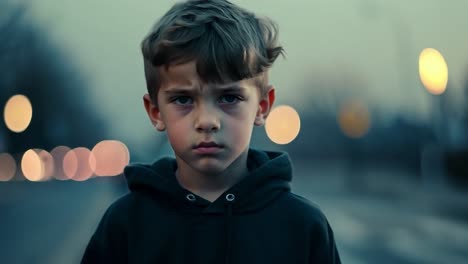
[7, 167]
[433, 71]
[70, 164]
[47, 164]
[58, 154]
[283, 124]
[111, 157]
[18, 113]
[354, 119]
[32, 166]
[79, 164]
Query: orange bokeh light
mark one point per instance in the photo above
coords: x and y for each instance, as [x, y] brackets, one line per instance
[18, 113]
[58, 154]
[79, 164]
[47, 164]
[111, 157]
[32, 166]
[70, 164]
[7, 167]
[283, 124]
[354, 119]
[433, 71]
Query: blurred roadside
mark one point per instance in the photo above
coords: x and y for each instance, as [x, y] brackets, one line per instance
[387, 220]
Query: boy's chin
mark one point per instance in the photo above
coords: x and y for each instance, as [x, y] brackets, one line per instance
[209, 167]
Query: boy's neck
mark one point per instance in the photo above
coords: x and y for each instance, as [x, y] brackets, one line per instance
[211, 187]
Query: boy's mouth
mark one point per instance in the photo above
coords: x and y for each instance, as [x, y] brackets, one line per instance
[205, 144]
[207, 148]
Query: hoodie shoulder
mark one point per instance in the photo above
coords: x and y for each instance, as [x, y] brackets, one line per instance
[116, 216]
[305, 209]
[107, 244]
[322, 242]
[121, 206]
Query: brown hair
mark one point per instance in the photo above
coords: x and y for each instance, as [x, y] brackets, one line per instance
[227, 43]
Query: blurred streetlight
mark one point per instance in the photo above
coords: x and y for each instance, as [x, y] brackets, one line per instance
[18, 113]
[58, 154]
[283, 124]
[79, 164]
[433, 71]
[32, 165]
[7, 167]
[111, 157]
[354, 119]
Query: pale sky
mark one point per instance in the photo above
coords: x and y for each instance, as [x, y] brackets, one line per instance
[370, 47]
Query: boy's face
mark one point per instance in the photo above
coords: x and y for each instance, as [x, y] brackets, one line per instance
[193, 112]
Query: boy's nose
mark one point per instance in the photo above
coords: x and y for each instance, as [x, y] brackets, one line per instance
[207, 120]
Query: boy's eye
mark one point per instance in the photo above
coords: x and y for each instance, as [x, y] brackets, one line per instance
[182, 100]
[229, 99]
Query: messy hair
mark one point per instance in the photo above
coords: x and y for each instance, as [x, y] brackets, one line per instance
[227, 43]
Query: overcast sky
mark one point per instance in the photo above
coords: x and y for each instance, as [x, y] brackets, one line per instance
[368, 46]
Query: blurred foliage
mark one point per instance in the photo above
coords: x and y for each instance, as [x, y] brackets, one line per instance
[32, 65]
[397, 144]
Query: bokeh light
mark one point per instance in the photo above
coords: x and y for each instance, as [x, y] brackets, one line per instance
[18, 113]
[7, 167]
[354, 119]
[283, 124]
[70, 164]
[32, 166]
[79, 164]
[58, 154]
[433, 71]
[47, 164]
[111, 157]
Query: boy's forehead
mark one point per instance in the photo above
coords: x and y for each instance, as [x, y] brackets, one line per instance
[180, 73]
[186, 76]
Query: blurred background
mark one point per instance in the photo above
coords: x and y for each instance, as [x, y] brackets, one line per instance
[372, 106]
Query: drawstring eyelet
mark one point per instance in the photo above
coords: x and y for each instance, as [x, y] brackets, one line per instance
[190, 197]
[230, 197]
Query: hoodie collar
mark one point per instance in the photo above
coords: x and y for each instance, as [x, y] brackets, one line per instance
[270, 174]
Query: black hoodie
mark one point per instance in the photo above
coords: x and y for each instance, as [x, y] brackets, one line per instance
[258, 220]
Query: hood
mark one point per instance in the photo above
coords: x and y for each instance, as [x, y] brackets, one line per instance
[270, 174]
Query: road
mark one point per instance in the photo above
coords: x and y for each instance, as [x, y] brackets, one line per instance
[51, 222]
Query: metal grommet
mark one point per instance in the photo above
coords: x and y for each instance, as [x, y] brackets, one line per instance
[230, 197]
[190, 197]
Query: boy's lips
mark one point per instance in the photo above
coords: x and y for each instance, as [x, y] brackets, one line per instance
[205, 144]
[207, 148]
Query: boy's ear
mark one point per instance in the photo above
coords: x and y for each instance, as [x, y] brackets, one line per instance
[265, 106]
[153, 113]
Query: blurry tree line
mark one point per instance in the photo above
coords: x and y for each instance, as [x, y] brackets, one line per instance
[390, 142]
[32, 65]
[396, 144]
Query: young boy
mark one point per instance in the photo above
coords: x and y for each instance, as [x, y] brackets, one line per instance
[219, 201]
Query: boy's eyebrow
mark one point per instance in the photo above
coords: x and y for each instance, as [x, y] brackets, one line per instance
[233, 88]
[180, 90]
